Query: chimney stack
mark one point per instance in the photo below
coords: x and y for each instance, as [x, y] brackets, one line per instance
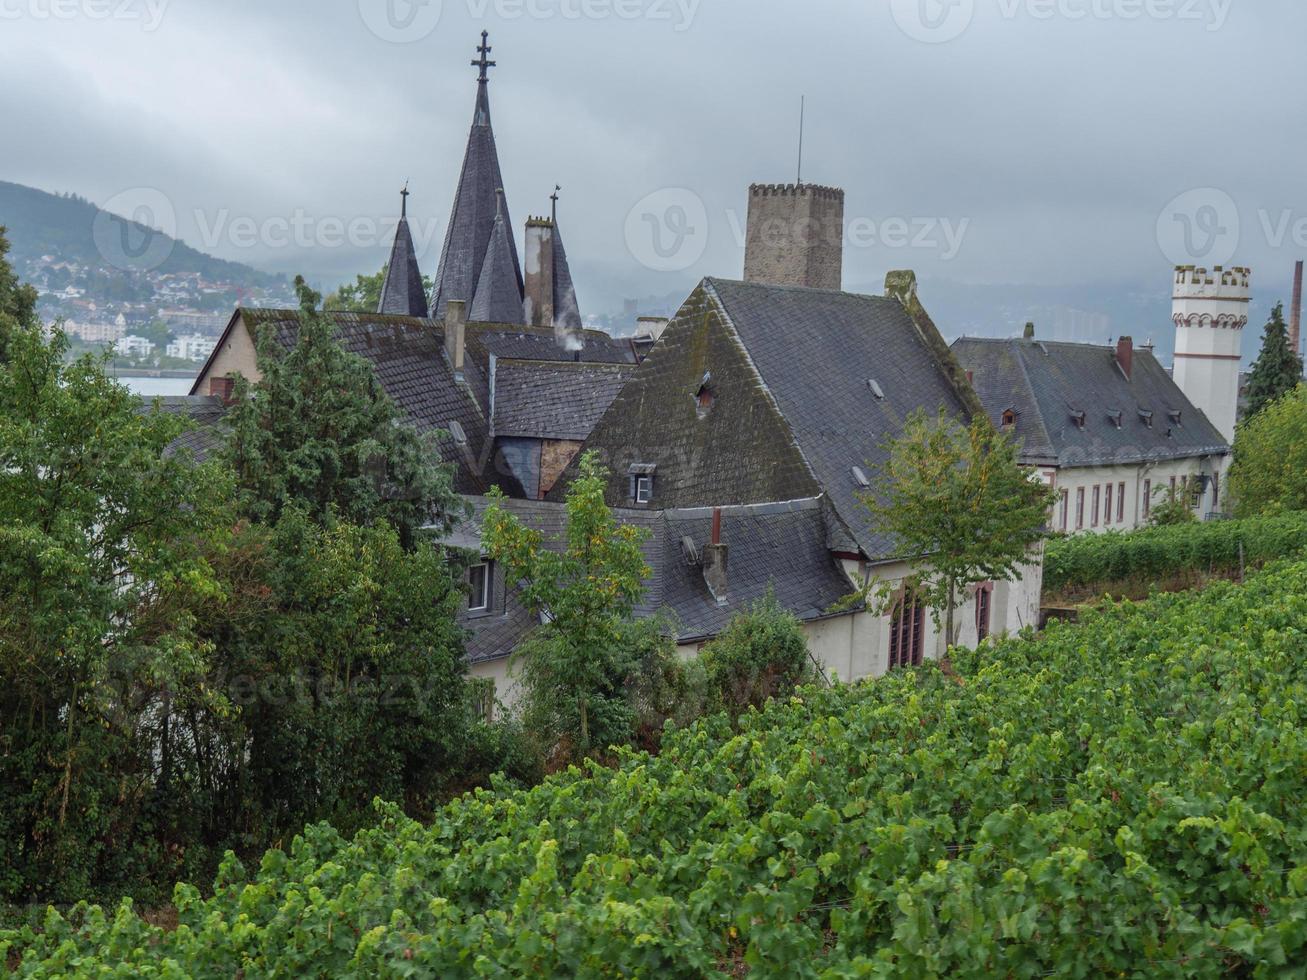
[714, 560]
[795, 236]
[1295, 313]
[1125, 355]
[539, 277]
[456, 335]
[1030, 331]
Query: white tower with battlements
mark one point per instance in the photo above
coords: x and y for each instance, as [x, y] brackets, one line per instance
[1210, 309]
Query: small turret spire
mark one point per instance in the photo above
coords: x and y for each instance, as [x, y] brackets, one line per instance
[484, 62]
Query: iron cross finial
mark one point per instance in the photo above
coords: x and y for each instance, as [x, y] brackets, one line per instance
[403, 207]
[553, 214]
[484, 61]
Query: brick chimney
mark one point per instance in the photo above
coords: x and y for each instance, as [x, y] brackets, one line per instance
[539, 302]
[795, 236]
[1125, 355]
[714, 560]
[1295, 312]
[456, 335]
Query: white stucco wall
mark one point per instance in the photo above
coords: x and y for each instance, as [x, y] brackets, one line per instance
[1133, 476]
[855, 646]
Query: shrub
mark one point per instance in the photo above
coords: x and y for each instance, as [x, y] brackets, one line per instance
[1087, 561]
[761, 654]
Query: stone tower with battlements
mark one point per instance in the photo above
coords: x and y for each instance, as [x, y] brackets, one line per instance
[1210, 309]
[795, 236]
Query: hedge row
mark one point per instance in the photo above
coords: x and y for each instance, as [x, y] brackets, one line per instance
[1087, 560]
[1121, 797]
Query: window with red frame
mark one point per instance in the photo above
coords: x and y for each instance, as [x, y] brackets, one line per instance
[984, 609]
[1107, 505]
[907, 629]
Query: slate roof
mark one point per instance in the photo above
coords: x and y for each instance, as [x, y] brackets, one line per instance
[817, 351]
[777, 546]
[498, 297]
[553, 400]
[402, 292]
[567, 312]
[206, 413]
[789, 408]
[409, 360]
[1047, 382]
[472, 219]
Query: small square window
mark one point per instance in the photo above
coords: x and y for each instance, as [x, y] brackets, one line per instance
[643, 489]
[480, 578]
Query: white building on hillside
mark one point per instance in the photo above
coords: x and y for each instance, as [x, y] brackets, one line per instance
[193, 347]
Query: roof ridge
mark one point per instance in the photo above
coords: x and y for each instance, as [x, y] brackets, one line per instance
[796, 289]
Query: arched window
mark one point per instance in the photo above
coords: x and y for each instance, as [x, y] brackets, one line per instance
[907, 627]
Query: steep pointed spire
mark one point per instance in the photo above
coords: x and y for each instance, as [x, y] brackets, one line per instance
[498, 296]
[567, 314]
[472, 220]
[402, 292]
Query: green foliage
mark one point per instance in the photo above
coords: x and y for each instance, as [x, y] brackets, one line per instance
[959, 506]
[364, 295]
[584, 587]
[762, 654]
[1119, 797]
[318, 431]
[17, 300]
[1270, 458]
[1278, 368]
[1084, 561]
[1171, 508]
[103, 543]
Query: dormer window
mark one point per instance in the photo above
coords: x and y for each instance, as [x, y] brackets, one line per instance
[1115, 418]
[480, 581]
[641, 483]
[705, 396]
[1174, 416]
[1146, 417]
[877, 391]
[1009, 419]
[1078, 419]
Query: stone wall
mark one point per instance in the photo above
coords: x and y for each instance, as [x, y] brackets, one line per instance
[795, 236]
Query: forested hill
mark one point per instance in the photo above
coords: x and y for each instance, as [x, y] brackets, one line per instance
[63, 225]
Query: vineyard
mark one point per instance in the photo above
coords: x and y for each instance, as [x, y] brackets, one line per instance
[1116, 558]
[1123, 796]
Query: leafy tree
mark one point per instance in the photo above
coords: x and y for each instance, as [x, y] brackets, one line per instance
[344, 660]
[364, 295]
[318, 430]
[103, 542]
[584, 588]
[960, 507]
[17, 300]
[761, 654]
[1278, 369]
[1269, 474]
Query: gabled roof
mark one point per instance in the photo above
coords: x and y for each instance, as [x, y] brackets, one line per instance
[498, 297]
[1048, 383]
[567, 312]
[818, 352]
[402, 292]
[776, 546]
[552, 399]
[788, 407]
[472, 220]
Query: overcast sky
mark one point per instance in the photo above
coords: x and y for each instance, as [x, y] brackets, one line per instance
[981, 141]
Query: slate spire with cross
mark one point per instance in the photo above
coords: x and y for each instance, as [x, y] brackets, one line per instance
[472, 220]
[402, 292]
